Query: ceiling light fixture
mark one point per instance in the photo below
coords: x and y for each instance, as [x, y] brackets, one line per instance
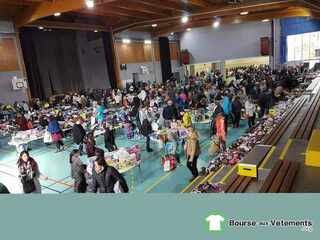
[126, 40]
[57, 14]
[184, 19]
[189, 29]
[154, 25]
[95, 31]
[41, 28]
[147, 42]
[90, 3]
[216, 24]
[244, 13]
[265, 20]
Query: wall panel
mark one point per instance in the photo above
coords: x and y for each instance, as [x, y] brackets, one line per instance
[9, 55]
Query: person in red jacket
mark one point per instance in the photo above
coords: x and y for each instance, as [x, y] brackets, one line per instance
[22, 122]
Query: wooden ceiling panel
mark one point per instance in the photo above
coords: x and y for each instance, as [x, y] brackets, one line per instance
[141, 14]
[140, 8]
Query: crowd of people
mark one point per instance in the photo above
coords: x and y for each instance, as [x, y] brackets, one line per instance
[248, 94]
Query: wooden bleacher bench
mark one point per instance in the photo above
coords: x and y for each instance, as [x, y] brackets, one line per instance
[280, 178]
[306, 124]
[237, 184]
[274, 136]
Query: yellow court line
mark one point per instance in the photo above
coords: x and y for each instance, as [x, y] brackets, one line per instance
[217, 172]
[228, 174]
[285, 149]
[268, 157]
[158, 182]
[190, 184]
[206, 178]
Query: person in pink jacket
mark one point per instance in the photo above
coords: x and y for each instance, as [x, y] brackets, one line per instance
[221, 130]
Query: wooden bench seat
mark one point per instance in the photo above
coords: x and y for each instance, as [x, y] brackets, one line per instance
[281, 177]
[274, 136]
[305, 125]
[237, 184]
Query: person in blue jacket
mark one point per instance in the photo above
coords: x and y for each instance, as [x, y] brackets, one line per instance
[227, 108]
[55, 131]
[100, 114]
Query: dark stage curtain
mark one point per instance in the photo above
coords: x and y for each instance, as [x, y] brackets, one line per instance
[165, 58]
[52, 61]
[109, 53]
[31, 63]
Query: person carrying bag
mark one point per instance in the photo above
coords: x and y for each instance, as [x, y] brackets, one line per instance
[29, 173]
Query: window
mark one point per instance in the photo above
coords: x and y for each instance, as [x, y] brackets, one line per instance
[302, 47]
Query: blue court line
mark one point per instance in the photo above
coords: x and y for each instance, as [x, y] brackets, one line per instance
[42, 186]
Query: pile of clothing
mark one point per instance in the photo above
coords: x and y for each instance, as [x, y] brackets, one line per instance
[209, 188]
[124, 157]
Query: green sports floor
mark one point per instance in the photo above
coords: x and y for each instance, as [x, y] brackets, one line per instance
[150, 178]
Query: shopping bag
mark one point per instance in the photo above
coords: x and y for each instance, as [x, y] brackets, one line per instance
[168, 163]
[214, 147]
[47, 138]
[28, 185]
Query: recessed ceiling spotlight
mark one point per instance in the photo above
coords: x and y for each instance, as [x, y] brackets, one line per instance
[147, 41]
[189, 29]
[95, 31]
[41, 28]
[90, 3]
[154, 25]
[244, 13]
[216, 24]
[57, 14]
[265, 20]
[126, 40]
[184, 19]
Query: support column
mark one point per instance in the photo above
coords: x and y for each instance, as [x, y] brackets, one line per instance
[112, 60]
[165, 58]
[275, 58]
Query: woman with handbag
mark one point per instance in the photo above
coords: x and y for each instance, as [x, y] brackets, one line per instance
[55, 131]
[29, 173]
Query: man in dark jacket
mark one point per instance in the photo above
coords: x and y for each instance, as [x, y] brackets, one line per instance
[169, 113]
[105, 178]
[146, 130]
[236, 112]
[79, 134]
[109, 139]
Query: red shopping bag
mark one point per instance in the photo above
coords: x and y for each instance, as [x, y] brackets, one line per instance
[168, 163]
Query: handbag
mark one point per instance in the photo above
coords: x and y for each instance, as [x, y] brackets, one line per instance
[168, 163]
[28, 185]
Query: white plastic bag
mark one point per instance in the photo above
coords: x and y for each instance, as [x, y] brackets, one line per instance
[47, 138]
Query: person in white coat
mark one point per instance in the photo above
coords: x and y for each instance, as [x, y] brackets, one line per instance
[250, 109]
